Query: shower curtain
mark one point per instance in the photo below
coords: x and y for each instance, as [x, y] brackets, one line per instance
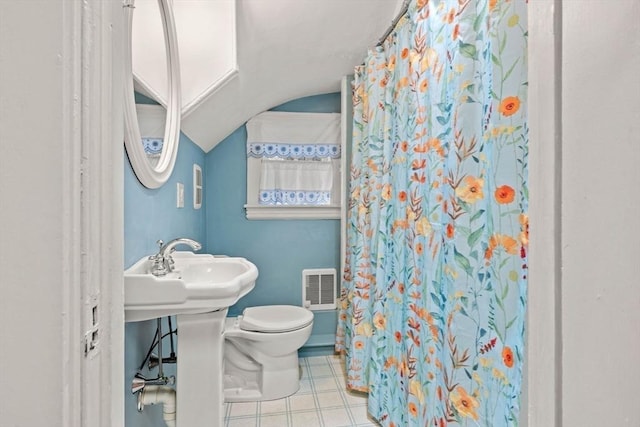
[433, 296]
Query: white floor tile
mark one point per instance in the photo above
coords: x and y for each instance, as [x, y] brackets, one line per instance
[273, 406]
[325, 384]
[317, 360]
[305, 419]
[243, 422]
[355, 399]
[320, 371]
[329, 400]
[274, 421]
[244, 408]
[360, 415]
[305, 387]
[338, 417]
[302, 402]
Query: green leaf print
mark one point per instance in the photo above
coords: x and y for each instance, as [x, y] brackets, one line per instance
[473, 237]
[463, 262]
[468, 50]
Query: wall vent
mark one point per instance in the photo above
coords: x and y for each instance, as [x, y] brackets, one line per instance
[319, 289]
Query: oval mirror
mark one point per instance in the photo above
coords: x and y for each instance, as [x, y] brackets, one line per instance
[153, 168]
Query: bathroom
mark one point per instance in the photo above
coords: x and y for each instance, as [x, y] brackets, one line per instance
[570, 367]
[281, 249]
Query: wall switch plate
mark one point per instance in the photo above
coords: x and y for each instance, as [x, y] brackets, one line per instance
[180, 195]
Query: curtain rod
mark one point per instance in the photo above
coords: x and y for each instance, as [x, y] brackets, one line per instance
[403, 11]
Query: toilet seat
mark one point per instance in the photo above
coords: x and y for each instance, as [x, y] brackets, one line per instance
[275, 318]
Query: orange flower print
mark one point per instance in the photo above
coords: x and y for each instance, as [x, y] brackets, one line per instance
[413, 323]
[492, 4]
[404, 146]
[504, 194]
[507, 357]
[392, 63]
[379, 321]
[451, 15]
[386, 192]
[398, 336]
[418, 164]
[424, 85]
[399, 223]
[509, 106]
[422, 148]
[359, 345]
[423, 226]
[471, 191]
[402, 196]
[524, 226]
[450, 231]
[508, 243]
[371, 164]
[464, 403]
[403, 82]
[405, 53]
[391, 361]
[436, 145]
[413, 409]
[419, 248]
[456, 32]
[403, 368]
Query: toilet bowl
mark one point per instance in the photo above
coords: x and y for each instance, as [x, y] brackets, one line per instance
[261, 352]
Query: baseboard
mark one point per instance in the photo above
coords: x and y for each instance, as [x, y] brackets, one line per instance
[318, 345]
[326, 350]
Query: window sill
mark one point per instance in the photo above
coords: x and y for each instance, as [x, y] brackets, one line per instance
[292, 212]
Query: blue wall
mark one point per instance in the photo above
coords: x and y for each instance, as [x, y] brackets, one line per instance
[150, 215]
[280, 249]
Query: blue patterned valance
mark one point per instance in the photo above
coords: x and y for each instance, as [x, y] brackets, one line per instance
[153, 146]
[293, 151]
[294, 197]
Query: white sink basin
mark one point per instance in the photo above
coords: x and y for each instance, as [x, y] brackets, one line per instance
[200, 283]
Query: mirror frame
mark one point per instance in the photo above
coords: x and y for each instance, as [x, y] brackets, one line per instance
[148, 175]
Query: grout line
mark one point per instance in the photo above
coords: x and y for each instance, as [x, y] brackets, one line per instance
[314, 392]
[258, 416]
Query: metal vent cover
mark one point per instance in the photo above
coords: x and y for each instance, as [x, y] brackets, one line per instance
[319, 289]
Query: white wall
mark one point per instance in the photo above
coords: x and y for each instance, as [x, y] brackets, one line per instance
[600, 224]
[60, 213]
[31, 252]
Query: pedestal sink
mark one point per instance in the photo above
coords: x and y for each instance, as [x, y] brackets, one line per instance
[199, 292]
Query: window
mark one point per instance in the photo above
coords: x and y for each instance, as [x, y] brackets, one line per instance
[294, 165]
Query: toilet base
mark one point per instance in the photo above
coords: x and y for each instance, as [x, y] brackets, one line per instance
[269, 382]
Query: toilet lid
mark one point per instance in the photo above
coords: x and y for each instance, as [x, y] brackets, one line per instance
[275, 318]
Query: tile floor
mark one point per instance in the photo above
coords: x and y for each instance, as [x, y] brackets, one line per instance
[322, 401]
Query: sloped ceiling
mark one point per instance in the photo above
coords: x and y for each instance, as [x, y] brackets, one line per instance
[287, 49]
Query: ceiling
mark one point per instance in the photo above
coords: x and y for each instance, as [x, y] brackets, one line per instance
[284, 50]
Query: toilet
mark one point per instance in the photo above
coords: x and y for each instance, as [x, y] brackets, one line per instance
[261, 352]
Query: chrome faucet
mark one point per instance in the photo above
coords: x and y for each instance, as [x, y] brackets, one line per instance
[163, 261]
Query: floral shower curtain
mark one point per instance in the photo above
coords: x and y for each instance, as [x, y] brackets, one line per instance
[434, 289]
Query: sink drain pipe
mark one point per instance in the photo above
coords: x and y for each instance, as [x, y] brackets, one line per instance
[153, 394]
